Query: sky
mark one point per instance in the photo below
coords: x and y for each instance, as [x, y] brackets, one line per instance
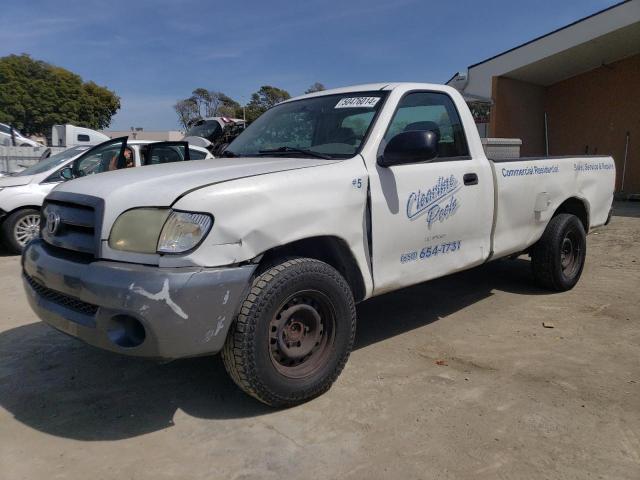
[152, 53]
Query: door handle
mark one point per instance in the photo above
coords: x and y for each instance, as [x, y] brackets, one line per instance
[470, 179]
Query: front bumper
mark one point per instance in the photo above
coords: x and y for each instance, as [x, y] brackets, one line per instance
[134, 309]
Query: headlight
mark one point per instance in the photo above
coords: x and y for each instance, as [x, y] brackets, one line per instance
[138, 230]
[159, 230]
[183, 231]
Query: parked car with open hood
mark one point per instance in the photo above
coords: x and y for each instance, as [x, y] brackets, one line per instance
[214, 133]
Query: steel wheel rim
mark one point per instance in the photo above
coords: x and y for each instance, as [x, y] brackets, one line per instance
[302, 333]
[26, 229]
[570, 251]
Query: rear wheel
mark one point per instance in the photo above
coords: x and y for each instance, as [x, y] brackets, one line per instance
[557, 259]
[20, 228]
[294, 333]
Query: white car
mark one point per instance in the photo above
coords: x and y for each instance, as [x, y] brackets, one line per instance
[22, 193]
[20, 140]
[324, 201]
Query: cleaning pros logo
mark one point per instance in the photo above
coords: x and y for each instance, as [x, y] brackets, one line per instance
[438, 202]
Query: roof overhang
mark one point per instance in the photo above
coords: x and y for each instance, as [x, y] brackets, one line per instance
[584, 57]
[602, 38]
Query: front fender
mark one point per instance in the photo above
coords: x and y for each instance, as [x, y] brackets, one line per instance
[253, 215]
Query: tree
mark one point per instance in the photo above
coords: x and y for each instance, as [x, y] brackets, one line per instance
[264, 99]
[228, 107]
[35, 95]
[187, 111]
[316, 87]
[205, 103]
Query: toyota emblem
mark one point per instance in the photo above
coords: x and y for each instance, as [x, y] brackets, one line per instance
[53, 222]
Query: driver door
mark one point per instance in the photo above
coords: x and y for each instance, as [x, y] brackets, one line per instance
[104, 157]
[429, 218]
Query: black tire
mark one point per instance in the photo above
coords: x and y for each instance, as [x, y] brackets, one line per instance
[557, 259]
[282, 359]
[14, 240]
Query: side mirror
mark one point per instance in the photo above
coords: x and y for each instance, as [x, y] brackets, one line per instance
[66, 173]
[410, 147]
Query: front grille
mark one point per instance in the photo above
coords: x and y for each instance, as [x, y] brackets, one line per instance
[75, 229]
[61, 299]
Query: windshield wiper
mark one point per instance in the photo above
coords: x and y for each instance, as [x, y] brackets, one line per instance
[229, 154]
[304, 151]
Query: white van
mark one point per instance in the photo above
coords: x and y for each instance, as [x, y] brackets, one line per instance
[22, 193]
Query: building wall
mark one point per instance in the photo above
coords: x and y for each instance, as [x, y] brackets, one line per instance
[591, 113]
[518, 112]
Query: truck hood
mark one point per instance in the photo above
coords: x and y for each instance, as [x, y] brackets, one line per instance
[10, 181]
[162, 185]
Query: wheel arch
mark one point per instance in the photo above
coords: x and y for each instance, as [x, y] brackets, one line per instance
[575, 206]
[24, 207]
[8, 213]
[329, 249]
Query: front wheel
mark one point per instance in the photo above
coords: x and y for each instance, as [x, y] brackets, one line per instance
[557, 259]
[293, 334]
[20, 228]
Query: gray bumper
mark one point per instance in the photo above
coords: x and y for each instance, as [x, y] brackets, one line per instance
[135, 309]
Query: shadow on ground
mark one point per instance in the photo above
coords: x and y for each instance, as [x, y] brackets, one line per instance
[4, 252]
[63, 387]
[626, 209]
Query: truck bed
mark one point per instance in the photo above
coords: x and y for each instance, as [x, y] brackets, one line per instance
[523, 207]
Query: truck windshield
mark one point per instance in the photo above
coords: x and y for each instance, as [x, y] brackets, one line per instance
[329, 126]
[54, 161]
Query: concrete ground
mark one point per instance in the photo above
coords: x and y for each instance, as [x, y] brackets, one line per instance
[453, 379]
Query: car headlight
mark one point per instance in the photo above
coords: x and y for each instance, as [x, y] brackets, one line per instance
[138, 230]
[183, 231]
[158, 230]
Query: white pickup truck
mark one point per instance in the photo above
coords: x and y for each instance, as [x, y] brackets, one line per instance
[325, 201]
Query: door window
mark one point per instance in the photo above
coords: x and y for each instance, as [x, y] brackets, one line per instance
[435, 112]
[103, 158]
[165, 152]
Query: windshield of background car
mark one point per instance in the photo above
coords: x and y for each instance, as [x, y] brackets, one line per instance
[331, 125]
[54, 161]
[208, 129]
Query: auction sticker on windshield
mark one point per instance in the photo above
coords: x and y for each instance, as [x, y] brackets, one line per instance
[357, 102]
